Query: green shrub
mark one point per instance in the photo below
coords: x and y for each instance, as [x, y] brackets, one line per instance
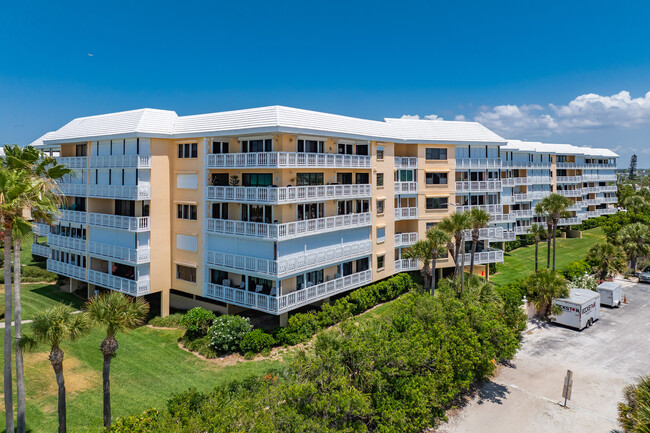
[575, 270]
[201, 346]
[33, 274]
[634, 411]
[145, 422]
[249, 356]
[197, 321]
[171, 321]
[256, 341]
[183, 406]
[227, 332]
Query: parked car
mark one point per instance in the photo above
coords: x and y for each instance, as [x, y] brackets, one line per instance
[644, 276]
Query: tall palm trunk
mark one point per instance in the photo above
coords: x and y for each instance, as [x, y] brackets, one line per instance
[554, 234]
[536, 251]
[109, 348]
[471, 259]
[20, 375]
[434, 260]
[458, 255]
[549, 226]
[8, 381]
[56, 359]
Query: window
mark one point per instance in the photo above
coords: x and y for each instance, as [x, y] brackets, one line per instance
[380, 262]
[362, 149]
[220, 211]
[187, 150]
[404, 176]
[362, 179]
[436, 202]
[309, 179]
[187, 181]
[345, 149]
[380, 152]
[435, 153]
[380, 179]
[344, 178]
[380, 207]
[219, 179]
[257, 213]
[186, 211]
[220, 147]
[436, 178]
[257, 179]
[381, 234]
[310, 211]
[311, 146]
[251, 146]
[429, 226]
[81, 150]
[186, 273]
[125, 208]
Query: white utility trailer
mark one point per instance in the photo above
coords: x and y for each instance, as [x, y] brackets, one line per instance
[579, 310]
[611, 293]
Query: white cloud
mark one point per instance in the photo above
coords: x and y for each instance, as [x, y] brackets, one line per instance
[460, 117]
[584, 113]
[410, 116]
[417, 117]
[433, 117]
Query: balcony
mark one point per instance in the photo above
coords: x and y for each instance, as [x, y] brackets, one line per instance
[478, 163]
[124, 192]
[406, 213]
[72, 216]
[479, 186]
[41, 250]
[584, 165]
[489, 233]
[67, 269]
[67, 242]
[73, 189]
[41, 229]
[406, 187]
[286, 160]
[492, 209]
[577, 207]
[571, 192]
[120, 161]
[288, 302]
[530, 196]
[120, 222]
[73, 162]
[569, 221]
[288, 265]
[405, 162]
[502, 218]
[288, 230]
[599, 177]
[526, 164]
[290, 194]
[569, 179]
[109, 251]
[405, 239]
[607, 211]
[492, 256]
[124, 285]
[405, 265]
[609, 200]
[529, 180]
[526, 213]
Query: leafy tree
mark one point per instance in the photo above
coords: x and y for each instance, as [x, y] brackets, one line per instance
[438, 240]
[455, 225]
[117, 313]
[54, 326]
[421, 250]
[635, 204]
[606, 259]
[542, 287]
[538, 233]
[634, 410]
[554, 206]
[632, 172]
[635, 241]
[479, 219]
[197, 321]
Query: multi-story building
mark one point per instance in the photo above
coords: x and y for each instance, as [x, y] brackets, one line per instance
[275, 208]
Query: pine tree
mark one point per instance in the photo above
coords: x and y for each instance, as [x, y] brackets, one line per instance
[633, 167]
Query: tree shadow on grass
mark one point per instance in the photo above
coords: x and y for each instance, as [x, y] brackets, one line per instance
[54, 293]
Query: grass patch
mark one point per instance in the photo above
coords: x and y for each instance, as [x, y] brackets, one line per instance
[520, 263]
[149, 368]
[38, 297]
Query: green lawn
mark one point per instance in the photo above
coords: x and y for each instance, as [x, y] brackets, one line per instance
[149, 368]
[521, 262]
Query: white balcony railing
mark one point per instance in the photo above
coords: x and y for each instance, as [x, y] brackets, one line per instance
[126, 192]
[405, 239]
[288, 230]
[569, 179]
[73, 189]
[571, 192]
[120, 222]
[73, 162]
[526, 164]
[67, 269]
[66, 242]
[72, 216]
[609, 200]
[406, 213]
[478, 163]
[479, 186]
[132, 255]
[119, 161]
[290, 194]
[494, 256]
[503, 218]
[404, 265]
[287, 265]
[41, 229]
[526, 213]
[529, 180]
[583, 165]
[41, 250]
[607, 211]
[286, 160]
[492, 209]
[124, 285]
[598, 177]
[406, 187]
[490, 233]
[290, 301]
[406, 162]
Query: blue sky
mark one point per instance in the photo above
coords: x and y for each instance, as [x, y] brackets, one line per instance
[523, 68]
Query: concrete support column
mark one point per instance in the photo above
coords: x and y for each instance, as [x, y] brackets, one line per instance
[284, 319]
[164, 303]
[91, 291]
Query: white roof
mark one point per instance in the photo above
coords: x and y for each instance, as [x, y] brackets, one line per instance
[558, 149]
[39, 141]
[580, 296]
[161, 123]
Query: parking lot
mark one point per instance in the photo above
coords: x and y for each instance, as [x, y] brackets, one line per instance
[524, 396]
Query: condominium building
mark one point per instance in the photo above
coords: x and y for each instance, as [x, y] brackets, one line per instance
[276, 208]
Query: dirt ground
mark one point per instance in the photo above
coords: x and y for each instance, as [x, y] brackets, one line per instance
[525, 396]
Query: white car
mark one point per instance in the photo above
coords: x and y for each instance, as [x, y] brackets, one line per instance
[644, 276]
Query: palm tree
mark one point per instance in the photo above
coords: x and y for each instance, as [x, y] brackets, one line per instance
[438, 240]
[541, 212]
[606, 259]
[117, 313]
[635, 203]
[555, 207]
[54, 326]
[542, 287]
[538, 233]
[34, 177]
[479, 219]
[635, 241]
[421, 250]
[455, 225]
